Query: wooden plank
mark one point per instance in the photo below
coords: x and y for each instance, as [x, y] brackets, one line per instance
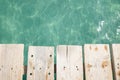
[97, 62]
[11, 61]
[40, 63]
[25, 69]
[116, 57]
[69, 63]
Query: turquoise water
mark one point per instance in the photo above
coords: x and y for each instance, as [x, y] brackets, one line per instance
[54, 22]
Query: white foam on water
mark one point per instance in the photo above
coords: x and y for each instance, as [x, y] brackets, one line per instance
[118, 30]
[101, 24]
[107, 37]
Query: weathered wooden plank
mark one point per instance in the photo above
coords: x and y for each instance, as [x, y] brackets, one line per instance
[97, 62]
[11, 61]
[40, 63]
[116, 58]
[69, 63]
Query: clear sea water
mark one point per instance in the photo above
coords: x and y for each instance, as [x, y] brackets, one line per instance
[59, 22]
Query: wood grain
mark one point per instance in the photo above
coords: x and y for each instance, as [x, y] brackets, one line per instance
[97, 62]
[69, 63]
[116, 57]
[11, 61]
[40, 63]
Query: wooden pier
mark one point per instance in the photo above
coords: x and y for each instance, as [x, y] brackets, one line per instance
[73, 62]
